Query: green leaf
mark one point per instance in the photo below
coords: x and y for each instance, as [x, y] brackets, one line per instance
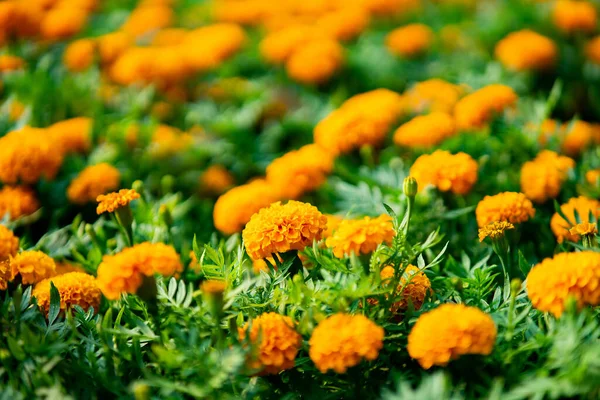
[54, 304]
[524, 265]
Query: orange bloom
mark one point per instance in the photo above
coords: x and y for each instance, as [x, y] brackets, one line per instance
[475, 110]
[572, 16]
[361, 236]
[494, 230]
[315, 62]
[79, 55]
[32, 266]
[425, 130]
[75, 288]
[583, 229]
[584, 207]
[17, 201]
[62, 22]
[592, 50]
[526, 50]
[508, 206]
[542, 178]
[9, 245]
[593, 176]
[11, 63]
[409, 40]
[216, 180]
[278, 47]
[92, 182]
[447, 172]
[145, 19]
[433, 95]
[112, 201]
[74, 134]
[344, 23]
[112, 45]
[413, 287]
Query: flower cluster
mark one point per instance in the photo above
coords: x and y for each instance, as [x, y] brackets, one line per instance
[9, 244]
[32, 266]
[17, 201]
[447, 172]
[342, 341]
[508, 206]
[542, 178]
[75, 288]
[581, 205]
[475, 110]
[361, 236]
[450, 331]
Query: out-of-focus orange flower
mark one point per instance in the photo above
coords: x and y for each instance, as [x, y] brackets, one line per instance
[145, 19]
[92, 182]
[410, 40]
[277, 47]
[216, 179]
[73, 135]
[425, 131]
[575, 16]
[315, 62]
[79, 55]
[17, 201]
[112, 45]
[434, 95]
[477, 109]
[344, 23]
[11, 63]
[542, 178]
[62, 22]
[526, 50]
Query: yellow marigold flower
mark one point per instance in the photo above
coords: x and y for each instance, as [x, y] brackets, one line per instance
[361, 236]
[278, 47]
[508, 206]
[17, 201]
[112, 201]
[9, 244]
[409, 40]
[234, 208]
[447, 172]
[92, 182]
[64, 267]
[592, 50]
[575, 275]
[475, 110]
[75, 288]
[276, 342]
[213, 286]
[333, 222]
[450, 331]
[579, 135]
[74, 135]
[11, 63]
[593, 176]
[112, 45]
[412, 288]
[425, 130]
[216, 180]
[583, 206]
[167, 141]
[542, 178]
[344, 23]
[300, 171]
[169, 37]
[342, 341]
[585, 228]
[364, 119]
[526, 50]
[315, 62]
[32, 266]
[5, 274]
[124, 272]
[27, 155]
[207, 47]
[572, 16]
[62, 22]
[249, 12]
[433, 95]
[494, 230]
[79, 55]
[145, 19]
[283, 227]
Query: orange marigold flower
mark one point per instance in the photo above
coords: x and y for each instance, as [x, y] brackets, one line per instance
[278, 47]
[300, 171]
[494, 230]
[112, 45]
[433, 95]
[124, 272]
[508, 206]
[361, 236]
[450, 331]
[168, 141]
[62, 22]
[275, 340]
[27, 155]
[283, 227]
[554, 280]
[447, 172]
[216, 180]
[74, 134]
[315, 62]
[112, 201]
[542, 178]
[32, 266]
[213, 286]
[592, 50]
[593, 176]
[526, 50]
[583, 206]
[17, 201]
[261, 264]
[477, 109]
[583, 229]
[579, 135]
[234, 208]
[11, 63]
[333, 222]
[412, 288]
[64, 267]
[9, 244]
[425, 130]
[79, 55]
[344, 23]
[390, 7]
[92, 182]
[207, 47]
[574, 16]
[5, 274]
[364, 119]
[169, 37]
[342, 341]
[75, 288]
[145, 19]
[409, 40]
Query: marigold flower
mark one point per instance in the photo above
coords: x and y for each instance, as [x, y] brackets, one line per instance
[450, 331]
[249, 12]
[65, 267]
[592, 50]
[168, 141]
[300, 171]
[32, 266]
[579, 135]
[148, 18]
[425, 130]
[494, 230]
[124, 272]
[477, 109]
[409, 40]
[261, 264]
[412, 288]
[554, 280]
[79, 55]
[542, 178]
[583, 229]
[447, 172]
[508, 206]
[235, 207]
[112, 201]
[5, 274]
[433, 95]
[526, 50]
[74, 134]
[216, 180]
[92, 182]
[283, 227]
[333, 222]
[9, 244]
[584, 207]
[17, 201]
[62, 22]
[574, 16]
[390, 7]
[342, 341]
[213, 286]
[593, 176]
[27, 155]
[364, 119]
[112, 45]
[207, 47]
[315, 62]
[344, 23]
[276, 341]
[169, 37]
[361, 236]
[277, 47]
[11, 63]
[75, 288]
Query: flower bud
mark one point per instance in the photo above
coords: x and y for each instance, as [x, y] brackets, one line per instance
[410, 186]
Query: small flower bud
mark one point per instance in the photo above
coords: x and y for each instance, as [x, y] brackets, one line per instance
[410, 186]
[515, 286]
